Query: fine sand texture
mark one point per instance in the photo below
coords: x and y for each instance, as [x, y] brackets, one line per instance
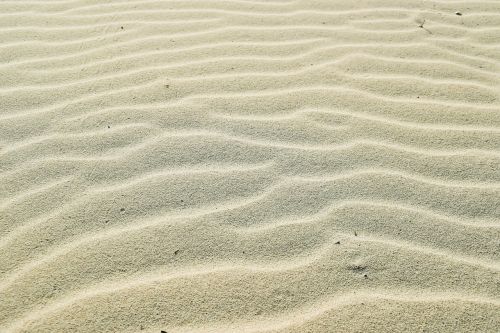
[249, 166]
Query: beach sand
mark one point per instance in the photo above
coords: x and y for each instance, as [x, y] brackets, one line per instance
[249, 166]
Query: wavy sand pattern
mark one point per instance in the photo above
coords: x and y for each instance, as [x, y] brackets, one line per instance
[249, 166]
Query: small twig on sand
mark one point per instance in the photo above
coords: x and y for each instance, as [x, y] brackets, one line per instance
[422, 26]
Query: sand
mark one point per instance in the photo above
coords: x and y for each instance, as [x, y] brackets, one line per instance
[249, 166]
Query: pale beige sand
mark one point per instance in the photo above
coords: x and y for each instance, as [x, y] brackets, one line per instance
[249, 166]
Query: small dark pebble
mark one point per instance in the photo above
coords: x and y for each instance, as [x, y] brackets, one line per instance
[418, 96]
[176, 252]
[167, 86]
[366, 276]
[122, 209]
[458, 13]
[121, 28]
[163, 331]
[337, 242]
[355, 233]
[109, 126]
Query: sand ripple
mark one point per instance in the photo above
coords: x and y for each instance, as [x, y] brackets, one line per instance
[249, 166]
